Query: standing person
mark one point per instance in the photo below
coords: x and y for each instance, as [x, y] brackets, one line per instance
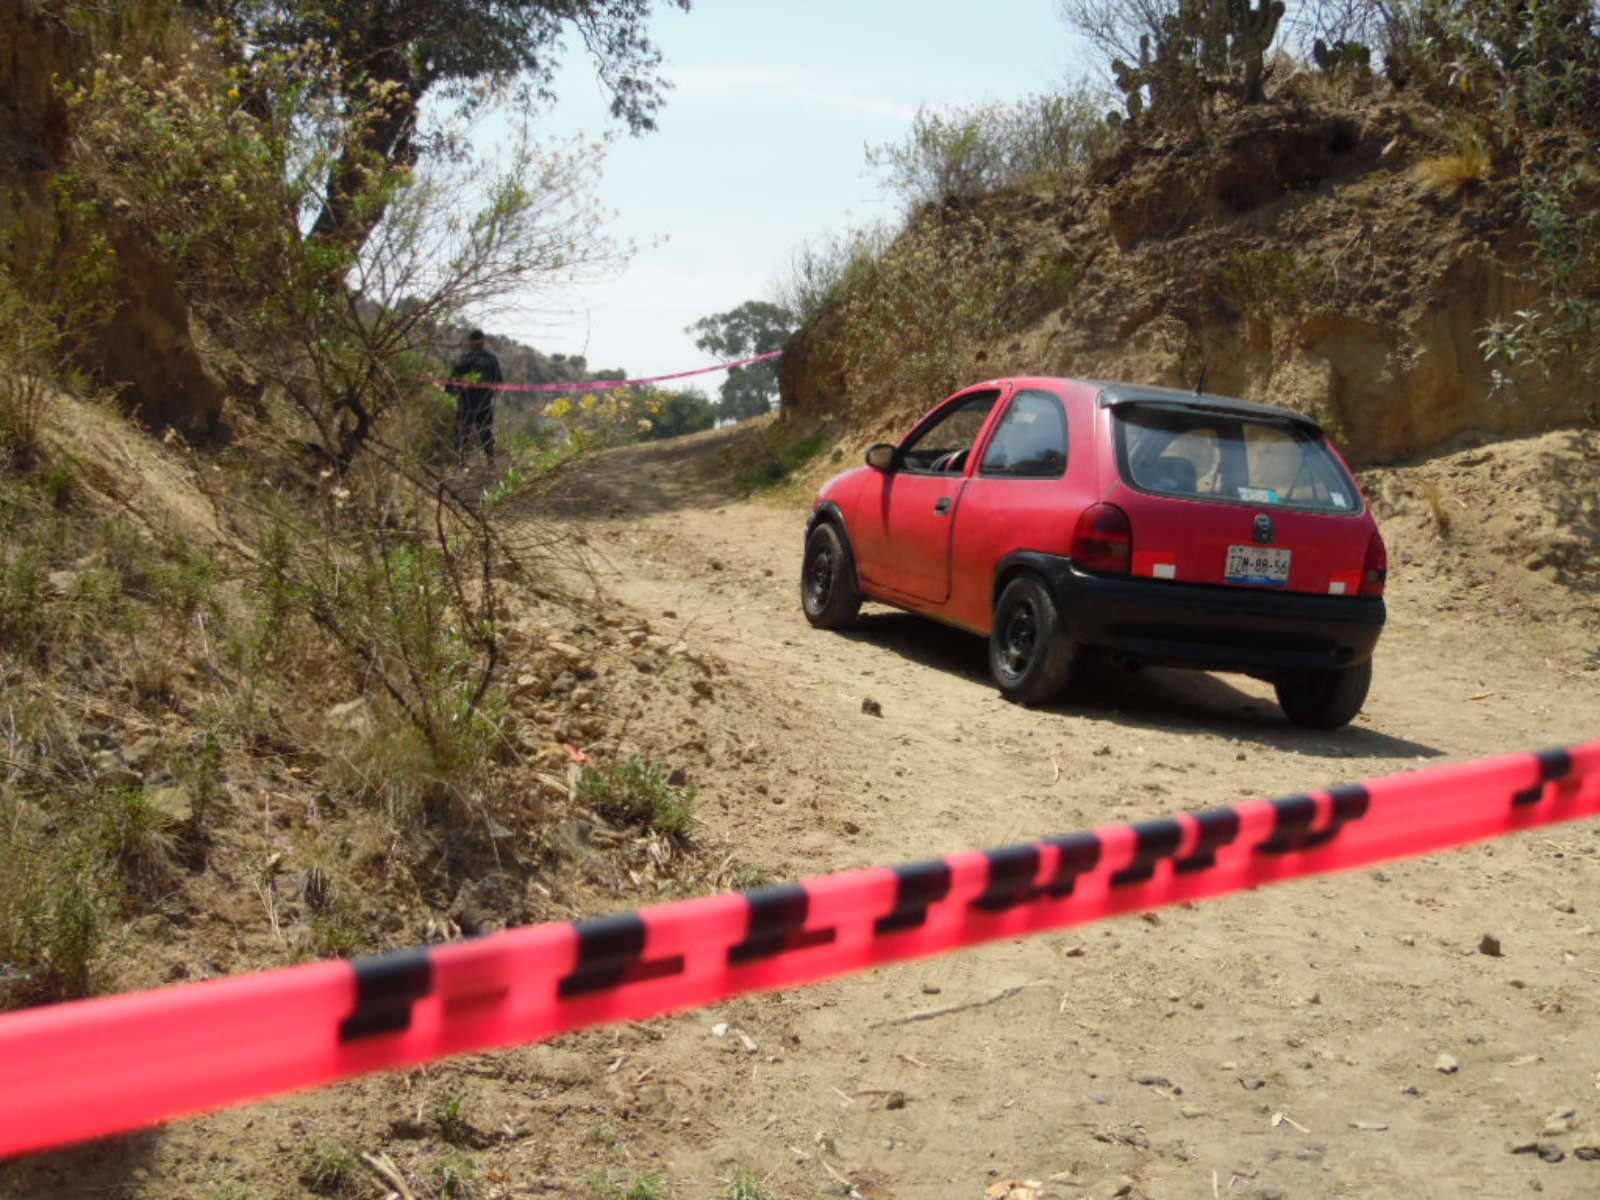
[475, 405]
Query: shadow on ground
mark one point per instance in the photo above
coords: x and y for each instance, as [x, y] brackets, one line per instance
[1152, 698]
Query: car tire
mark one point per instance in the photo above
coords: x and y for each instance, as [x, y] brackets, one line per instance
[828, 590]
[1030, 654]
[1324, 699]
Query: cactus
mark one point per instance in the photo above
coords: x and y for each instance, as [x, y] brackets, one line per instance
[1342, 58]
[1251, 28]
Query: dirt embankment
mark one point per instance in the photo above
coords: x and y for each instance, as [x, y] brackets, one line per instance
[1298, 257]
[1344, 1036]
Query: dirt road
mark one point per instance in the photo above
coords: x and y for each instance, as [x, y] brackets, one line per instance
[1338, 1037]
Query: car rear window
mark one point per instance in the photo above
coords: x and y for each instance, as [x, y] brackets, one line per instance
[1215, 455]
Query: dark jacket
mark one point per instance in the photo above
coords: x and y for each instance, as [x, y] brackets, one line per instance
[481, 366]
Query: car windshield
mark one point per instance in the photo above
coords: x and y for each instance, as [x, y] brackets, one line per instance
[1219, 455]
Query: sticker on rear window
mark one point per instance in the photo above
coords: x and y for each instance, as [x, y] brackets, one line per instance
[1257, 495]
[1338, 500]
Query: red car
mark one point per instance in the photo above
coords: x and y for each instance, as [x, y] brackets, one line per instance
[1166, 528]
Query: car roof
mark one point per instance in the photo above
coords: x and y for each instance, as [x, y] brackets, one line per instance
[1113, 394]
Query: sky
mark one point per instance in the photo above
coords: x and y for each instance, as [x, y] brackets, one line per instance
[760, 148]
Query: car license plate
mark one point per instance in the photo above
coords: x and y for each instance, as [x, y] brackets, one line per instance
[1259, 564]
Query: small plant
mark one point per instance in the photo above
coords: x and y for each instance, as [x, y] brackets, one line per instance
[450, 1115]
[775, 460]
[1434, 495]
[60, 485]
[637, 792]
[1446, 175]
[650, 1186]
[1270, 274]
[747, 1187]
[458, 1175]
[132, 837]
[332, 1173]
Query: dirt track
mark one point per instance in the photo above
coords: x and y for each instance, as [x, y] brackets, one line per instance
[1282, 1043]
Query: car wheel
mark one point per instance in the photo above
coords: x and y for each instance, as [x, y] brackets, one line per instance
[1324, 699]
[1030, 654]
[828, 591]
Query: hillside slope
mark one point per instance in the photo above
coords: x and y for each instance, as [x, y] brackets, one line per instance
[1299, 256]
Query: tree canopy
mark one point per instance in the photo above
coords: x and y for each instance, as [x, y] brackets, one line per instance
[377, 59]
[755, 327]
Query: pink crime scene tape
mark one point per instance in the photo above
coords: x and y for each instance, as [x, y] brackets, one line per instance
[599, 385]
[94, 1067]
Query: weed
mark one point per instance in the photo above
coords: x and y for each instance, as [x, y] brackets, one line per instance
[1434, 495]
[774, 460]
[54, 906]
[236, 1191]
[332, 1173]
[747, 1187]
[61, 485]
[449, 1114]
[637, 792]
[1445, 175]
[336, 934]
[650, 1186]
[132, 837]
[458, 1175]
[1270, 275]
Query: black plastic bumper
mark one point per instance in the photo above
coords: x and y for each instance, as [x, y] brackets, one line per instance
[1163, 622]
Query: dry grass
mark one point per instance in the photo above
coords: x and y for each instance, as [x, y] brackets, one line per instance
[1447, 175]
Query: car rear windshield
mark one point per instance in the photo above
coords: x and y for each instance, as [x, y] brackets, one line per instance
[1220, 455]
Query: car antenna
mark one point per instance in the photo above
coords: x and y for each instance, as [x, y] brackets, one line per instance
[1200, 384]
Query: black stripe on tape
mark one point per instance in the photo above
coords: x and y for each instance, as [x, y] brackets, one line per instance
[918, 886]
[1012, 870]
[611, 953]
[1553, 765]
[1155, 840]
[777, 919]
[1218, 827]
[387, 985]
[1294, 816]
[1079, 853]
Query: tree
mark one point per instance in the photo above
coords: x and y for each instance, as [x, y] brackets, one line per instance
[379, 58]
[755, 327]
[674, 413]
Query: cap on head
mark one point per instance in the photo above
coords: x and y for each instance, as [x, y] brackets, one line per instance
[475, 337]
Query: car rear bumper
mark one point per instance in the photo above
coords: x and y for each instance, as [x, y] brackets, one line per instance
[1254, 630]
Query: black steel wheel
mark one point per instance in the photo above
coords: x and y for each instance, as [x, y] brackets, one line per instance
[1030, 654]
[828, 591]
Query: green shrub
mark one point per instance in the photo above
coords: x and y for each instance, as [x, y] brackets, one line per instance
[959, 154]
[637, 792]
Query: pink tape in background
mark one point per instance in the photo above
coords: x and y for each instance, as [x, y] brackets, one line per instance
[598, 385]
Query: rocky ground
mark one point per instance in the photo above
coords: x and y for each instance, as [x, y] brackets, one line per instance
[1340, 1037]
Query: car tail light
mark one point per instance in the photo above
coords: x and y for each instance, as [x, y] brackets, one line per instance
[1375, 571]
[1103, 540]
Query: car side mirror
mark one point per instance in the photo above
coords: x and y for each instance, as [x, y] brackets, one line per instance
[881, 457]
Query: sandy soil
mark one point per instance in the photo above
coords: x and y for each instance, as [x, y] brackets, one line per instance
[1284, 1043]
[1151, 1054]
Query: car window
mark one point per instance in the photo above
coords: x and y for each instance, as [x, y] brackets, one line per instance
[1031, 440]
[942, 447]
[1226, 456]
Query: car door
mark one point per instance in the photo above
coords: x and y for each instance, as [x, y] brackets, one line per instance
[902, 534]
[1019, 498]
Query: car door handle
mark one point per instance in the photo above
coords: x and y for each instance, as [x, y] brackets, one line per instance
[943, 506]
